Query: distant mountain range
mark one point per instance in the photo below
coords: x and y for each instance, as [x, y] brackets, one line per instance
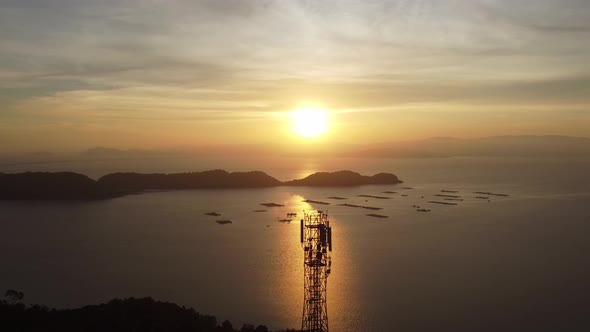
[436, 147]
[73, 186]
[498, 146]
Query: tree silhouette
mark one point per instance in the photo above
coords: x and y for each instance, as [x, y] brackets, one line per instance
[14, 296]
[132, 314]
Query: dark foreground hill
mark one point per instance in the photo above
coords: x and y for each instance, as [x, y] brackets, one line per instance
[131, 314]
[71, 186]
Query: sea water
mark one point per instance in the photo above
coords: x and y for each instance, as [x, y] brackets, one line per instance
[508, 263]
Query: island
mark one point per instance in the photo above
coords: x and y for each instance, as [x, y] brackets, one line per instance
[74, 186]
[343, 179]
[56, 186]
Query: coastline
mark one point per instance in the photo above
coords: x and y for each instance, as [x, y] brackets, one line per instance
[74, 186]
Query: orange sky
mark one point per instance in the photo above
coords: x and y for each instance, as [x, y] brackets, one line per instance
[148, 74]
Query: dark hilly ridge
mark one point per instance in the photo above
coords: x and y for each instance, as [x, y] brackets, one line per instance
[61, 185]
[143, 314]
[343, 179]
[73, 186]
[193, 180]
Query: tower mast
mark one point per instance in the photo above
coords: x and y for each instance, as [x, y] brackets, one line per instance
[316, 239]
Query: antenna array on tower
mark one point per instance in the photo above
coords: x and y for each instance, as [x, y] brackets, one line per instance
[316, 239]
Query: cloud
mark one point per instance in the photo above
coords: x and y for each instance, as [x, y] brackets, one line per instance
[238, 61]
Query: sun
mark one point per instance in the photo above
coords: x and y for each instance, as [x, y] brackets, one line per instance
[309, 122]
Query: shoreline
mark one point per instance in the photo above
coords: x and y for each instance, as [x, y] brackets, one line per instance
[74, 186]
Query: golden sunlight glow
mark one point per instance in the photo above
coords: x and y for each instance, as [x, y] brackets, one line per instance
[309, 122]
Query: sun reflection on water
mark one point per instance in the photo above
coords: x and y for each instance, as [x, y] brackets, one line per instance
[287, 285]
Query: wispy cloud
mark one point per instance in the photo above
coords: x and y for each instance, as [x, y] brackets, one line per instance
[234, 61]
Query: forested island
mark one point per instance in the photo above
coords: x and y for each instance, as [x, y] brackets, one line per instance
[132, 314]
[74, 186]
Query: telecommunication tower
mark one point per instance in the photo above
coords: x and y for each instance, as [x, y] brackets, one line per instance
[316, 239]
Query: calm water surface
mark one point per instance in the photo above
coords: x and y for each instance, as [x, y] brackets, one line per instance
[515, 263]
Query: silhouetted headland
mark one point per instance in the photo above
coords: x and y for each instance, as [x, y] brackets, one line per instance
[215, 179]
[344, 179]
[73, 186]
[59, 186]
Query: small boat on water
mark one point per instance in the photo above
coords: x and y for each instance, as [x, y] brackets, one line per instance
[447, 195]
[315, 202]
[224, 222]
[285, 220]
[337, 197]
[215, 214]
[442, 203]
[361, 206]
[374, 215]
[271, 204]
[487, 193]
[374, 196]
